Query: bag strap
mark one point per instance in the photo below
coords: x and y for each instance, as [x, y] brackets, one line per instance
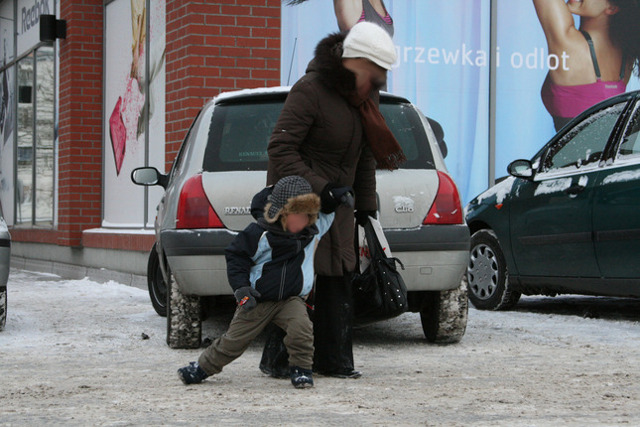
[375, 248]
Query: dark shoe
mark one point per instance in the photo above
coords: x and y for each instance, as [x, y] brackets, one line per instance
[192, 374]
[342, 373]
[301, 378]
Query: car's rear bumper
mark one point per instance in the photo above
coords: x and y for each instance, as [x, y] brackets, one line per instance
[434, 257]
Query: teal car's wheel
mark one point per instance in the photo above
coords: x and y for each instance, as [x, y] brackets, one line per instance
[487, 274]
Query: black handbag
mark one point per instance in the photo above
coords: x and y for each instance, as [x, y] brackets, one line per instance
[379, 292]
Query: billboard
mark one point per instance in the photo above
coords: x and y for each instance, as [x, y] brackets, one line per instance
[134, 108]
[444, 67]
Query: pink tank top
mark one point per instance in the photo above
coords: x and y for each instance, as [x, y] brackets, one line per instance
[369, 14]
[569, 101]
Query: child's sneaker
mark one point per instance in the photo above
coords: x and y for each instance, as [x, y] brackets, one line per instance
[192, 374]
[301, 378]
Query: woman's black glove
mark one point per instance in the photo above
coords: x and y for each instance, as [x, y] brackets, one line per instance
[333, 195]
[363, 216]
[246, 297]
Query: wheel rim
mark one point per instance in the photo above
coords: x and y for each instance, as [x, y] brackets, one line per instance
[482, 272]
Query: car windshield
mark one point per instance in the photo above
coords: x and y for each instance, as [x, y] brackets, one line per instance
[239, 134]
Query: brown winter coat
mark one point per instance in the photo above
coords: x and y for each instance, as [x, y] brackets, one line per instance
[319, 137]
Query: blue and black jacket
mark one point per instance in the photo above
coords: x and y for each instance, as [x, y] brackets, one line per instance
[277, 263]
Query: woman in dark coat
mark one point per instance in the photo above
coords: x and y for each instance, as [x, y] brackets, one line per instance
[331, 133]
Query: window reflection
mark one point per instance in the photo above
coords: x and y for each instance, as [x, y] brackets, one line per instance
[630, 147]
[583, 145]
[24, 184]
[44, 137]
[36, 138]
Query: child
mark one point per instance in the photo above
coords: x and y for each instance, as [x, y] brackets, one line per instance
[270, 268]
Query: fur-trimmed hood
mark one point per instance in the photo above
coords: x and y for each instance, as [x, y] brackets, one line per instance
[303, 204]
[327, 63]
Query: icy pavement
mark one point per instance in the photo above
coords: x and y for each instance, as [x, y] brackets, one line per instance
[76, 352]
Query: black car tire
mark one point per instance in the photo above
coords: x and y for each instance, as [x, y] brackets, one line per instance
[3, 307]
[444, 314]
[487, 274]
[156, 284]
[184, 324]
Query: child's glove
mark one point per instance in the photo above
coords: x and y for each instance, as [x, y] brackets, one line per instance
[246, 297]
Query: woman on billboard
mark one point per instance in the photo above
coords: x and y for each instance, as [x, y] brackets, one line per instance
[597, 59]
[350, 12]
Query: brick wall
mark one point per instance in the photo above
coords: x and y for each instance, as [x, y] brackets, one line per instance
[212, 46]
[80, 127]
[215, 46]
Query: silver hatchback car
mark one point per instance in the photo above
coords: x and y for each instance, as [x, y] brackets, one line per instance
[222, 165]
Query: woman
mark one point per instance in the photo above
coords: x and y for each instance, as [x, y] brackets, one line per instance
[331, 133]
[350, 12]
[599, 57]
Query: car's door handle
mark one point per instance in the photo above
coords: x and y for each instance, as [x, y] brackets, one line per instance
[574, 189]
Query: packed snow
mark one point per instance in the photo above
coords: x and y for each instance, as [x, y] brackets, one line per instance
[78, 352]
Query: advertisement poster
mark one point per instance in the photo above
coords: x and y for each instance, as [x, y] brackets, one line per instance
[157, 73]
[444, 55]
[130, 109]
[28, 23]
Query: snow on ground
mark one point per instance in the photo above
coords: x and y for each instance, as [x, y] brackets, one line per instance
[77, 352]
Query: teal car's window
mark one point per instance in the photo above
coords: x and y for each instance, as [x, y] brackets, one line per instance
[630, 146]
[584, 143]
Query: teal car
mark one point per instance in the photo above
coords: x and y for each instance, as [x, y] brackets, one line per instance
[568, 220]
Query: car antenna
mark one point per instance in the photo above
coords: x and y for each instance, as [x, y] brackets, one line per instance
[293, 54]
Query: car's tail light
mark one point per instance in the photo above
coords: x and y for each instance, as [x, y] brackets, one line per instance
[194, 209]
[446, 208]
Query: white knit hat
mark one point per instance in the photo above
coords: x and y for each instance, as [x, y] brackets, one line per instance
[370, 41]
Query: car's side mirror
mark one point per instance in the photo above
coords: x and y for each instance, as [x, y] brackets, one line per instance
[521, 169]
[148, 176]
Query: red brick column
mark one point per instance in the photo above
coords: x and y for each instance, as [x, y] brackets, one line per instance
[215, 46]
[80, 127]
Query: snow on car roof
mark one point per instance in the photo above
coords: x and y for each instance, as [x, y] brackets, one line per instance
[278, 89]
[245, 92]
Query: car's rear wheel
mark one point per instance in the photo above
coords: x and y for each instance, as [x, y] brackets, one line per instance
[156, 284]
[444, 314]
[184, 324]
[3, 307]
[487, 274]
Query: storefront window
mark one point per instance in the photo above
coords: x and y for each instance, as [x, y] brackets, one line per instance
[24, 185]
[44, 141]
[35, 124]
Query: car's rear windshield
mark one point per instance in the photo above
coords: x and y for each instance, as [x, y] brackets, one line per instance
[239, 134]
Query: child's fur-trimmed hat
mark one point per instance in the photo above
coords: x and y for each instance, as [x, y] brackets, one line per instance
[292, 194]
